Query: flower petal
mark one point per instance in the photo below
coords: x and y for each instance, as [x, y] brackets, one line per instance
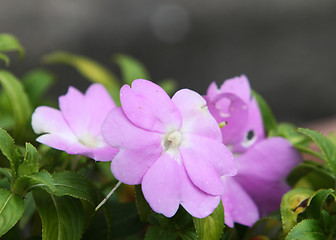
[198, 203]
[195, 111]
[239, 86]
[161, 185]
[238, 206]
[99, 104]
[148, 106]
[50, 120]
[272, 158]
[130, 165]
[267, 194]
[75, 111]
[205, 161]
[119, 132]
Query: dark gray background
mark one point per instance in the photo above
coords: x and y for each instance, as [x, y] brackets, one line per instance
[285, 47]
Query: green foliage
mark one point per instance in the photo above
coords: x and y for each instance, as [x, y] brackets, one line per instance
[9, 43]
[210, 227]
[309, 229]
[130, 68]
[11, 209]
[20, 103]
[36, 83]
[328, 148]
[266, 113]
[90, 69]
[62, 217]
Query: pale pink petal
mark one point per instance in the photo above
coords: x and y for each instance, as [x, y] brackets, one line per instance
[119, 132]
[267, 194]
[105, 153]
[50, 120]
[212, 91]
[130, 165]
[99, 103]
[233, 110]
[206, 160]
[239, 86]
[252, 133]
[196, 116]
[198, 203]
[161, 185]
[238, 205]
[75, 111]
[148, 106]
[272, 158]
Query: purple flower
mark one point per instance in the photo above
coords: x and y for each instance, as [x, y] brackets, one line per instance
[76, 127]
[172, 147]
[263, 163]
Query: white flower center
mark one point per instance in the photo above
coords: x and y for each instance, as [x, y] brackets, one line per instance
[172, 140]
[89, 140]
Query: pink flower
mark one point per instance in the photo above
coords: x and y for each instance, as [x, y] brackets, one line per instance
[172, 147]
[263, 163]
[76, 127]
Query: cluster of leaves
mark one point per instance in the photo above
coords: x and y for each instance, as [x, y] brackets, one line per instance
[48, 194]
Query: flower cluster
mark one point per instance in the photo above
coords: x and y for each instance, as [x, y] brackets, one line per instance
[175, 148]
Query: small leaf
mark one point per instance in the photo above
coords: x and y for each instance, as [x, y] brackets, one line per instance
[30, 163]
[210, 227]
[293, 203]
[90, 69]
[315, 205]
[267, 115]
[7, 173]
[143, 207]
[169, 85]
[8, 149]
[289, 131]
[5, 59]
[131, 68]
[41, 179]
[309, 229]
[11, 210]
[20, 103]
[155, 232]
[9, 43]
[62, 217]
[311, 171]
[36, 83]
[74, 185]
[328, 148]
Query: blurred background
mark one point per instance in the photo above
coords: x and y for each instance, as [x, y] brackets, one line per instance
[285, 47]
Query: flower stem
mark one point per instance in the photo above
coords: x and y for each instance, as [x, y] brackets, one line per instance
[108, 196]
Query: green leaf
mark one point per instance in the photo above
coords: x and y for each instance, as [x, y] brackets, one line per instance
[266, 113]
[328, 148]
[11, 210]
[293, 203]
[210, 227]
[316, 202]
[7, 173]
[131, 68]
[8, 149]
[30, 163]
[9, 43]
[5, 59]
[309, 229]
[36, 83]
[41, 179]
[20, 103]
[143, 207]
[74, 185]
[62, 217]
[169, 85]
[289, 131]
[155, 232]
[312, 173]
[29, 211]
[90, 69]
